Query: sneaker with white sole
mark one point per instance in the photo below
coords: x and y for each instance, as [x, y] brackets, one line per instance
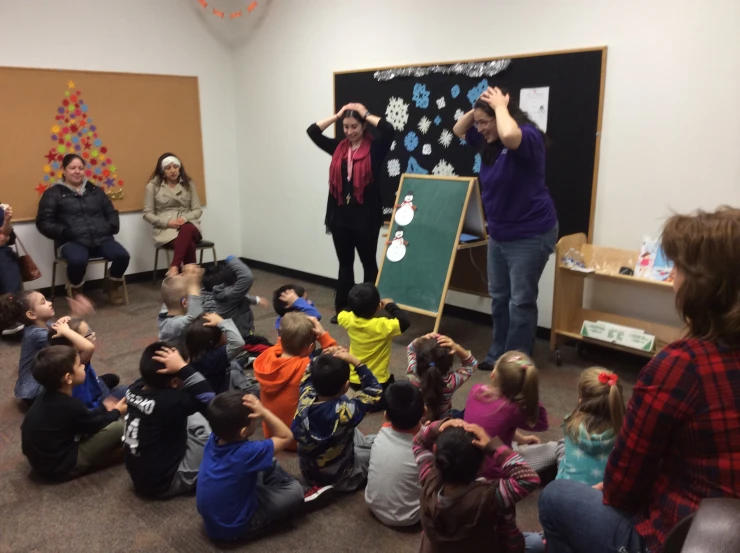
[314, 492]
[13, 330]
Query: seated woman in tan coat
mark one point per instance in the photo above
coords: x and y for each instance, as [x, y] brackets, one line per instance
[172, 207]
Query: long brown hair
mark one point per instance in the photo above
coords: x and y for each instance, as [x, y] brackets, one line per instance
[705, 248]
[600, 403]
[158, 172]
[516, 377]
[433, 363]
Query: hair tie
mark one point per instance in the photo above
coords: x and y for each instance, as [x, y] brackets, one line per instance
[432, 364]
[168, 160]
[606, 378]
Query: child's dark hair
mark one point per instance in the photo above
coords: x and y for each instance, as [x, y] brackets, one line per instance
[227, 414]
[279, 305]
[433, 362]
[51, 364]
[363, 300]
[329, 375]
[405, 406]
[200, 338]
[219, 274]
[457, 460]
[149, 367]
[13, 308]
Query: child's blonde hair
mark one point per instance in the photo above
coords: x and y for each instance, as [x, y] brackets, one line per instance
[296, 333]
[174, 289]
[516, 377]
[600, 403]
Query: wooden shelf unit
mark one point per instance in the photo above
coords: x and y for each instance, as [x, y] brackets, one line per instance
[568, 312]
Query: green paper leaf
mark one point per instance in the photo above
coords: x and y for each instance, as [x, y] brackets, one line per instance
[71, 108]
[61, 148]
[67, 93]
[112, 168]
[67, 137]
[94, 153]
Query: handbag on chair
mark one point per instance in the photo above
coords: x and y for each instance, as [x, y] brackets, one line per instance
[29, 269]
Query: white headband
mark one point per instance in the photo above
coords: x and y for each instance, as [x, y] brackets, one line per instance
[170, 159]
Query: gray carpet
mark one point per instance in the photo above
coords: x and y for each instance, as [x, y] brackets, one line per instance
[100, 512]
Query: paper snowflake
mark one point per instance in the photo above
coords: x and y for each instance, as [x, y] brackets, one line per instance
[475, 92]
[463, 142]
[421, 96]
[424, 125]
[459, 113]
[426, 149]
[437, 120]
[476, 163]
[441, 102]
[445, 138]
[411, 141]
[414, 167]
[394, 167]
[393, 145]
[455, 92]
[397, 113]
[444, 169]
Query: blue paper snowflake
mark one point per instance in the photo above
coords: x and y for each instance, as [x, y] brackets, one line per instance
[475, 92]
[98, 143]
[463, 142]
[83, 108]
[421, 96]
[98, 170]
[414, 167]
[411, 141]
[46, 177]
[75, 139]
[476, 164]
[55, 165]
[455, 92]
[437, 120]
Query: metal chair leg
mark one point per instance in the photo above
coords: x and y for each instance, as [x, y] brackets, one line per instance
[215, 257]
[53, 279]
[156, 260]
[125, 290]
[200, 259]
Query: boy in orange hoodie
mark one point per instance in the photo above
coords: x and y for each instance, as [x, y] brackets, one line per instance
[279, 370]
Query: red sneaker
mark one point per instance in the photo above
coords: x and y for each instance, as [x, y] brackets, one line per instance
[314, 492]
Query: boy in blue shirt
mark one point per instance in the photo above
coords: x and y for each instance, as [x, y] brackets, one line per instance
[241, 488]
[291, 297]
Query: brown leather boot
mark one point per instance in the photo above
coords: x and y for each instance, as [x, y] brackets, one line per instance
[115, 296]
[72, 291]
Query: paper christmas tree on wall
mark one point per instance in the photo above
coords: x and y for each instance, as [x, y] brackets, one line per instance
[75, 133]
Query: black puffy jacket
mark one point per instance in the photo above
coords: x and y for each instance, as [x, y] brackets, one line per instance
[88, 218]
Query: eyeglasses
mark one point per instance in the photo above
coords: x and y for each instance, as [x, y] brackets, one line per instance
[479, 124]
[90, 333]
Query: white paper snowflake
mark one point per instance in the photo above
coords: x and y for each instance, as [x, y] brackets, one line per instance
[394, 167]
[424, 124]
[397, 113]
[426, 149]
[459, 113]
[441, 102]
[444, 169]
[445, 138]
[393, 145]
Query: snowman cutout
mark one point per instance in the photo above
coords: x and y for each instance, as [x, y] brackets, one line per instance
[405, 212]
[396, 247]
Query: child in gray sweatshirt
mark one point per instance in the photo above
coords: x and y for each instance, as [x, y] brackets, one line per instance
[182, 303]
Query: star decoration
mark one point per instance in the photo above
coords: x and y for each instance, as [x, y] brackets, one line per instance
[51, 156]
[109, 182]
[40, 188]
[71, 84]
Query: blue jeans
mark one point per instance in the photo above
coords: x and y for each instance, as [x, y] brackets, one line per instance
[575, 520]
[78, 255]
[514, 271]
[10, 274]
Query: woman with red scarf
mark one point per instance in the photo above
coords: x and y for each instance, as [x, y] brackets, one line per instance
[354, 210]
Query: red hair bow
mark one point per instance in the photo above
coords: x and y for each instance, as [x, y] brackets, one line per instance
[606, 378]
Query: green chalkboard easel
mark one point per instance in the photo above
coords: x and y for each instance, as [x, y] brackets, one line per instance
[443, 209]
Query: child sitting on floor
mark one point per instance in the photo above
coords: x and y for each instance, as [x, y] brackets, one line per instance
[95, 389]
[280, 369]
[393, 489]
[182, 303]
[430, 362]
[331, 449]
[289, 298]
[510, 402]
[241, 488]
[61, 437]
[213, 344]
[592, 428]
[165, 431]
[459, 511]
[370, 336]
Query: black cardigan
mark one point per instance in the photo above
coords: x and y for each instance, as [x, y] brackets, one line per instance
[367, 216]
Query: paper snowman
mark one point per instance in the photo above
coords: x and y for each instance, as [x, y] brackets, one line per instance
[397, 248]
[405, 211]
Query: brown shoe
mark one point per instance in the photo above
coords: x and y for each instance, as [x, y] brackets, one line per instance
[72, 291]
[115, 296]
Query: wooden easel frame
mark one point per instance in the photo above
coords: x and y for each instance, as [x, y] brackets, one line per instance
[473, 193]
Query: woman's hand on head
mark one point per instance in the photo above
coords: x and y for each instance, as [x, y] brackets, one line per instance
[359, 108]
[495, 98]
[344, 108]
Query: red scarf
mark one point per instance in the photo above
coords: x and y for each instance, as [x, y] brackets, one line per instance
[359, 168]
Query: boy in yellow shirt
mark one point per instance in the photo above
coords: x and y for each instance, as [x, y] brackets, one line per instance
[371, 335]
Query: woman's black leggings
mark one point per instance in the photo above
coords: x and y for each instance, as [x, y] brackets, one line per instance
[346, 241]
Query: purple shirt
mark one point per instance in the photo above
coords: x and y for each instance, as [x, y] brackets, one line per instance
[516, 200]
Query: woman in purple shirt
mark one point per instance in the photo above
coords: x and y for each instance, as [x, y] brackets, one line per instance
[522, 223]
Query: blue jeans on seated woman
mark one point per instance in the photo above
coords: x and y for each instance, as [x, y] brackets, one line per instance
[514, 271]
[10, 274]
[77, 257]
[575, 520]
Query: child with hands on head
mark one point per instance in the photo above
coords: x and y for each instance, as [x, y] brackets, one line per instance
[181, 302]
[430, 360]
[289, 298]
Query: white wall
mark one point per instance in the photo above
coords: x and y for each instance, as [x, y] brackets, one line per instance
[671, 129]
[136, 36]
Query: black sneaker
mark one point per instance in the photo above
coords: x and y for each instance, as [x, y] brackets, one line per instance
[110, 380]
[485, 366]
[334, 320]
[15, 332]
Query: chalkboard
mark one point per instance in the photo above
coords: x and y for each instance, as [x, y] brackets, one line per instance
[575, 80]
[445, 206]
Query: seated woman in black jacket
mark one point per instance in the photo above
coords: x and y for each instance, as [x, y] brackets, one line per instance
[81, 220]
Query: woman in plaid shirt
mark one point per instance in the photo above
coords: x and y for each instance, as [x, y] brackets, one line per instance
[680, 441]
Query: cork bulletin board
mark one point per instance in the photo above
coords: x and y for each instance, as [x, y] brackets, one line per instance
[119, 122]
